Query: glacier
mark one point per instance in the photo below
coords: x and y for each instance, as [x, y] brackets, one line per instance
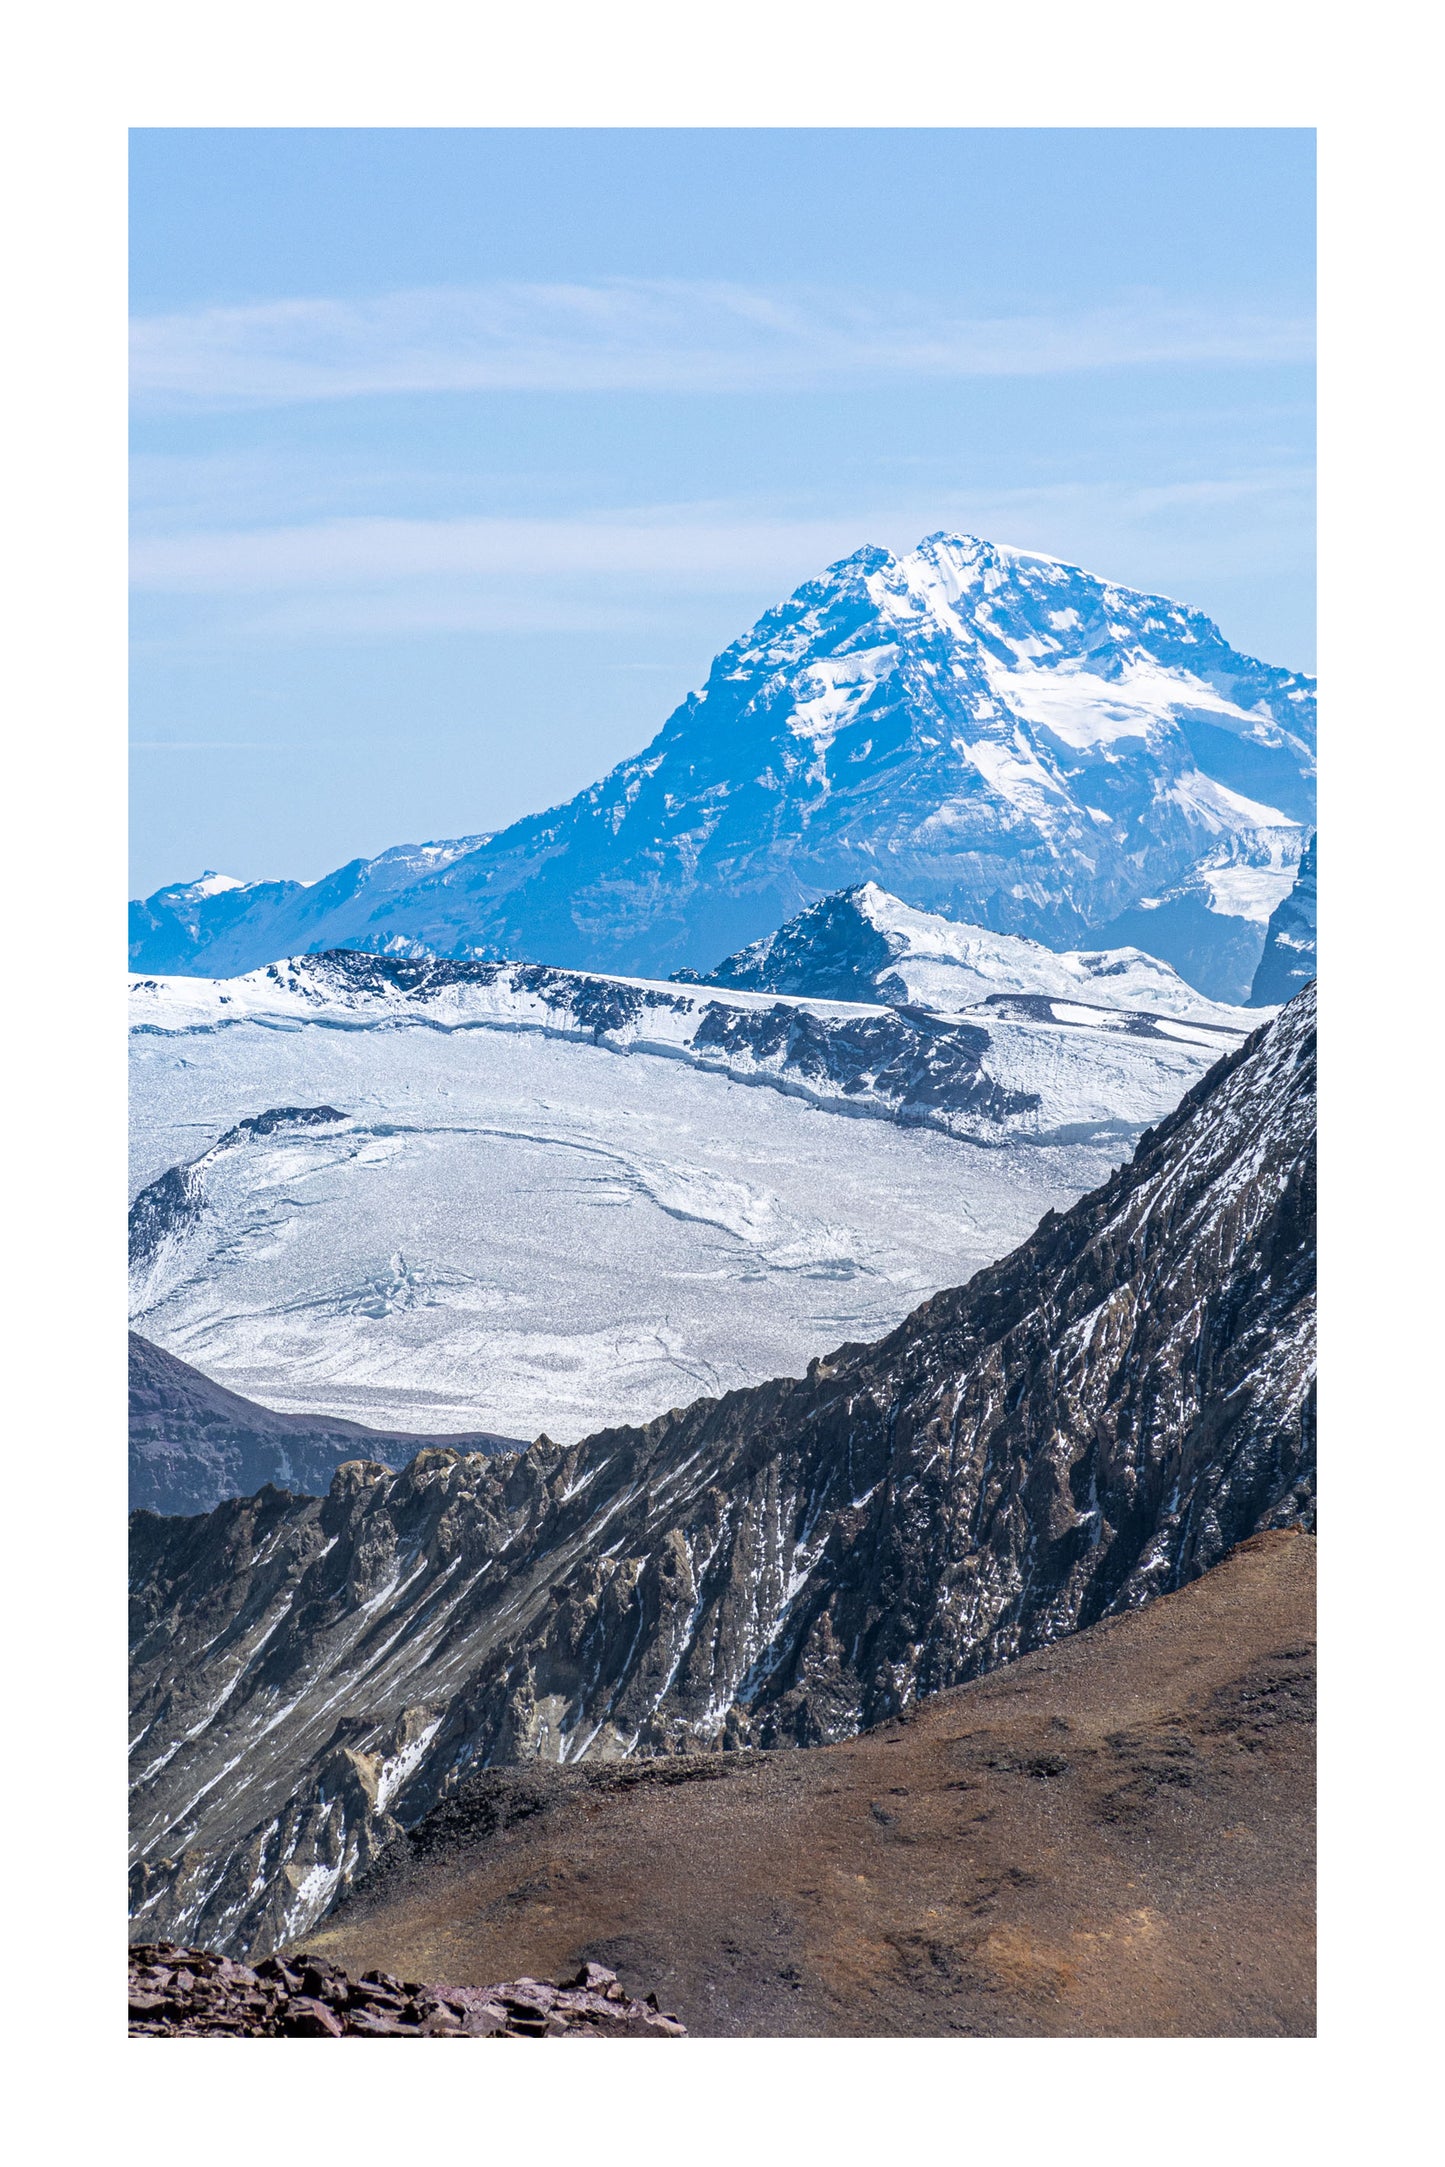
[441, 1196]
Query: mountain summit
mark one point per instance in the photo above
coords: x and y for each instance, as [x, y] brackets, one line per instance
[991, 735]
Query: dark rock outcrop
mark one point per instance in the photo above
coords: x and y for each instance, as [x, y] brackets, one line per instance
[918, 1063]
[830, 949]
[178, 1993]
[1095, 1420]
[168, 1207]
[165, 1210]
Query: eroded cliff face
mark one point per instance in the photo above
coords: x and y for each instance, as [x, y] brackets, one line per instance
[1094, 1420]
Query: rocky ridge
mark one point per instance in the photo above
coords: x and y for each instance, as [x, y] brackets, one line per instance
[967, 1073]
[903, 1067]
[866, 945]
[178, 1993]
[193, 1442]
[168, 1207]
[1092, 1421]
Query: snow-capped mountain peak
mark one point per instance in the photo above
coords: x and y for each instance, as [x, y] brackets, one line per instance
[214, 884]
[209, 884]
[997, 737]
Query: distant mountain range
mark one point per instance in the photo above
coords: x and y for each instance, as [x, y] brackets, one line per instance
[996, 737]
[194, 926]
[1094, 1420]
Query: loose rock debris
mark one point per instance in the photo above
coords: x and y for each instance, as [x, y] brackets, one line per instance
[178, 1993]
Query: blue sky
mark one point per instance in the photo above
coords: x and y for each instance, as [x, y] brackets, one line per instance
[458, 454]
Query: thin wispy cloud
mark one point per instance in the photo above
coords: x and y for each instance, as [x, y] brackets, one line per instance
[682, 545]
[367, 576]
[663, 335]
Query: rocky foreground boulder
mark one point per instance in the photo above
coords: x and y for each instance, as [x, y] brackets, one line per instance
[178, 1993]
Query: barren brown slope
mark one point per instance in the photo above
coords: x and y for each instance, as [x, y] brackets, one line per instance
[1112, 1836]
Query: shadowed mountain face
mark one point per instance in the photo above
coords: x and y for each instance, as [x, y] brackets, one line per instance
[835, 948]
[997, 737]
[1113, 1836]
[1289, 959]
[193, 1443]
[1093, 1421]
